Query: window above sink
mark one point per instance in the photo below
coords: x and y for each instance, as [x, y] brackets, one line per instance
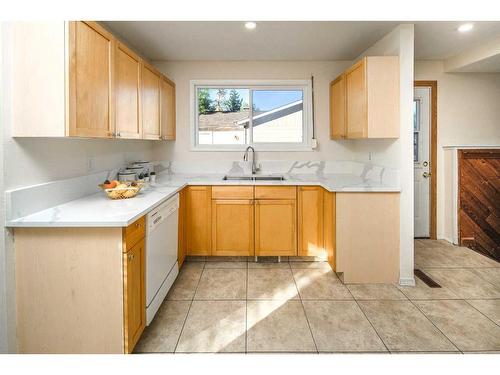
[267, 115]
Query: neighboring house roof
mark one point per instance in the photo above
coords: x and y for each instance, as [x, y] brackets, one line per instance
[223, 121]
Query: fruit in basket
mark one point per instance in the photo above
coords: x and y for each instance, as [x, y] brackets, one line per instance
[129, 193]
[109, 185]
[122, 186]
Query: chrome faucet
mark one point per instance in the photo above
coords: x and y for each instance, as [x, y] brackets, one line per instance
[245, 158]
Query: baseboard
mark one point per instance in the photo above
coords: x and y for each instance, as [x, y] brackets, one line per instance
[407, 281]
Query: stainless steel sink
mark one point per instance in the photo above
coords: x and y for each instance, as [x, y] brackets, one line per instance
[254, 178]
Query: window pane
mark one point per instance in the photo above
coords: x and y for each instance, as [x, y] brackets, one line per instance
[277, 116]
[416, 114]
[221, 115]
[415, 147]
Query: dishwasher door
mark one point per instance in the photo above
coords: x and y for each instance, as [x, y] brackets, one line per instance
[161, 253]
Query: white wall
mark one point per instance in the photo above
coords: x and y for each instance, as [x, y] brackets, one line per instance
[181, 72]
[400, 42]
[468, 114]
[38, 160]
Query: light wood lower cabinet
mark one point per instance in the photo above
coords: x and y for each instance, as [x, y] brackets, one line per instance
[134, 295]
[80, 290]
[233, 227]
[275, 227]
[181, 252]
[329, 227]
[367, 237]
[198, 220]
[310, 221]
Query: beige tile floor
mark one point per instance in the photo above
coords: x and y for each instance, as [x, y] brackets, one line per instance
[234, 305]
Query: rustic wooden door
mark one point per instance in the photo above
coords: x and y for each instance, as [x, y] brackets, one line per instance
[479, 200]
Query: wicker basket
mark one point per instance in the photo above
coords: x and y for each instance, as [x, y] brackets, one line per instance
[123, 193]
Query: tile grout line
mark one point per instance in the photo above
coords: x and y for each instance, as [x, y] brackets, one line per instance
[304, 309]
[246, 315]
[429, 319]
[479, 311]
[189, 309]
[366, 317]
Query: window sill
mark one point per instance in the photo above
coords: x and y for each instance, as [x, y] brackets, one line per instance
[282, 148]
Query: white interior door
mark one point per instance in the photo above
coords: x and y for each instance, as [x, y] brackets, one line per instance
[421, 159]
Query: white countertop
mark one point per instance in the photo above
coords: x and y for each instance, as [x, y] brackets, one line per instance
[97, 210]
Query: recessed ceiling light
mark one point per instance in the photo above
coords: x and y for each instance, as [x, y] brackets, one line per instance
[466, 27]
[250, 25]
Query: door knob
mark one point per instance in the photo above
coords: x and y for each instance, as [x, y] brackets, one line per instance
[425, 163]
[426, 174]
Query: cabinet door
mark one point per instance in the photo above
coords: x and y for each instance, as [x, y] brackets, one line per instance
[233, 227]
[134, 295]
[150, 103]
[198, 220]
[337, 108]
[356, 96]
[181, 253]
[127, 93]
[310, 219]
[167, 109]
[91, 60]
[275, 227]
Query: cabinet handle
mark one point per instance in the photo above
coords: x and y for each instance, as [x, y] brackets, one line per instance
[131, 257]
[137, 225]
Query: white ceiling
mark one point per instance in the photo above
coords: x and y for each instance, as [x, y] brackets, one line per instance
[273, 40]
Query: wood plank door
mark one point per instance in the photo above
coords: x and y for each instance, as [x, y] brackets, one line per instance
[310, 222]
[91, 66]
[127, 93]
[275, 227]
[150, 102]
[337, 108]
[198, 220]
[479, 200]
[134, 295]
[356, 101]
[167, 109]
[233, 227]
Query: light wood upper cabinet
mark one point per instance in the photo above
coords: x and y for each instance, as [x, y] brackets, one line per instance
[85, 83]
[150, 102]
[233, 227]
[366, 98]
[91, 60]
[310, 221]
[167, 109]
[337, 108]
[134, 295]
[198, 220]
[356, 116]
[127, 93]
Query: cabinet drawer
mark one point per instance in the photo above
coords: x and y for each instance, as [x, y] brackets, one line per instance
[134, 233]
[232, 192]
[275, 192]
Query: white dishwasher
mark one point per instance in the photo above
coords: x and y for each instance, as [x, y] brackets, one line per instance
[161, 253]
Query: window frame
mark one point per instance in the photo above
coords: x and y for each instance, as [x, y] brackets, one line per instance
[307, 116]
